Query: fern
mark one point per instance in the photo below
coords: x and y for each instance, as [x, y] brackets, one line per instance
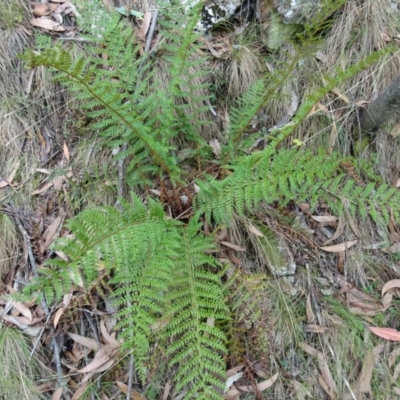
[288, 175]
[160, 269]
[122, 96]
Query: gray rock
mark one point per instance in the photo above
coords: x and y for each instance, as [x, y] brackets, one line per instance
[297, 11]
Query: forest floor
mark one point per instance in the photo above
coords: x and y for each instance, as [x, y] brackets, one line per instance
[324, 310]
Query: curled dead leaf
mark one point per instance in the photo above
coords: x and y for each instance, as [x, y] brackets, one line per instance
[394, 283]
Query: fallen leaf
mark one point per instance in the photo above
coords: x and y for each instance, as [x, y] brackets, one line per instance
[260, 386]
[386, 333]
[338, 232]
[167, 389]
[50, 233]
[107, 337]
[134, 394]
[394, 283]
[23, 309]
[144, 27]
[324, 218]
[66, 151]
[323, 366]
[81, 390]
[234, 370]
[216, 147]
[337, 248]
[363, 382]
[103, 360]
[47, 23]
[44, 9]
[85, 341]
[43, 187]
[58, 315]
[255, 230]
[19, 321]
[231, 380]
[57, 394]
[233, 246]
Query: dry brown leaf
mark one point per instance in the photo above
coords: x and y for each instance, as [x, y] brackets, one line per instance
[134, 394]
[386, 300]
[309, 311]
[167, 389]
[233, 246]
[43, 187]
[255, 230]
[234, 370]
[103, 360]
[44, 9]
[58, 181]
[323, 366]
[338, 232]
[67, 299]
[394, 283]
[386, 333]
[57, 394]
[23, 309]
[363, 383]
[58, 315]
[50, 233]
[66, 151]
[108, 338]
[85, 341]
[327, 389]
[264, 385]
[144, 27]
[333, 137]
[337, 248]
[216, 147]
[47, 23]
[81, 390]
[21, 323]
[324, 218]
[62, 255]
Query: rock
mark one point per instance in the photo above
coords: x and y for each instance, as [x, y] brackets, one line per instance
[297, 11]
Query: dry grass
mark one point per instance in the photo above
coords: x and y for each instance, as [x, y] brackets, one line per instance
[19, 372]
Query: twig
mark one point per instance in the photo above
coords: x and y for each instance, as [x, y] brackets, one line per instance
[130, 379]
[150, 34]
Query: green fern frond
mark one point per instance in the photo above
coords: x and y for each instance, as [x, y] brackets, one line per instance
[292, 175]
[197, 305]
[160, 269]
